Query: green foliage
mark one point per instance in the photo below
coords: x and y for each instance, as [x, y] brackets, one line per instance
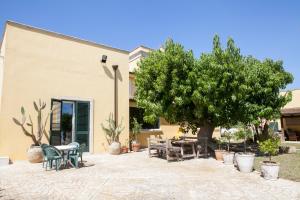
[112, 131]
[220, 88]
[244, 134]
[228, 137]
[270, 146]
[220, 141]
[136, 128]
[162, 85]
[41, 124]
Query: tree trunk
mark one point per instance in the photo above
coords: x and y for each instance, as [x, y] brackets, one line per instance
[206, 131]
[265, 132]
[256, 134]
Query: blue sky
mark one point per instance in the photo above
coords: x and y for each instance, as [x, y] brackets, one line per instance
[264, 29]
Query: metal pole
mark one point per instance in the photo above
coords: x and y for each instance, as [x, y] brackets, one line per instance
[115, 67]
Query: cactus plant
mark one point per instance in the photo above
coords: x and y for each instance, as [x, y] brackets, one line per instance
[41, 124]
[113, 131]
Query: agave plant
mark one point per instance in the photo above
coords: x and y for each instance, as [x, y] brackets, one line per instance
[112, 131]
[41, 124]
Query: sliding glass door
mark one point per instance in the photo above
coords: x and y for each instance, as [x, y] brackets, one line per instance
[82, 123]
[70, 122]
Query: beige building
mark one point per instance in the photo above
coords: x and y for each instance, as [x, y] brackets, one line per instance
[76, 81]
[69, 75]
[290, 118]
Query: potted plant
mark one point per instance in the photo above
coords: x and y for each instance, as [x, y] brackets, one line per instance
[34, 153]
[136, 129]
[112, 133]
[124, 148]
[269, 168]
[219, 152]
[228, 155]
[244, 160]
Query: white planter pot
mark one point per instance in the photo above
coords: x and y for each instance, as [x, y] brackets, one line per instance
[245, 162]
[114, 148]
[35, 154]
[228, 158]
[270, 170]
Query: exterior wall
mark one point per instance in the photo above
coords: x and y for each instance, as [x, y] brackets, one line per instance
[136, 55]
[44, 65]
[295, 103]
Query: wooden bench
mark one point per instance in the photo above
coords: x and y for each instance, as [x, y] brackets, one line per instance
[157, 145]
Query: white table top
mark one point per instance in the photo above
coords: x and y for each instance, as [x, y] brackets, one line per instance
[65, 147]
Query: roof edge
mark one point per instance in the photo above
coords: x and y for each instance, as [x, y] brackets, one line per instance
[55, 34]
[142, 47]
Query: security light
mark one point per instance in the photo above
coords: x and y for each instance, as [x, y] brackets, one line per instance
[104, 58]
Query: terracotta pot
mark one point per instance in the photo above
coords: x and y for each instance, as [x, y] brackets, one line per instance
[124, 150]
[219, 154]
[270, 170]
[114, 148]
[35, 154]
[136, 147]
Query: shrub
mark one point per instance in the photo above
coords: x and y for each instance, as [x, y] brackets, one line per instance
[243, 134]
[136, 129]
[270, 146]
[228, 136]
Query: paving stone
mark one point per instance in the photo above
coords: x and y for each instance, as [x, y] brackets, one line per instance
[136, 176]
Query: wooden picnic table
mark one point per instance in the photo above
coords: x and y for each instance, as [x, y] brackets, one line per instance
[183, 144]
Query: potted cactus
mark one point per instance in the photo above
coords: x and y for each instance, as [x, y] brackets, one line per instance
[219, 151]
[228, 155]
[112, 133]
[136, 129]
[269, 168]
[34, 153]
[244, 160]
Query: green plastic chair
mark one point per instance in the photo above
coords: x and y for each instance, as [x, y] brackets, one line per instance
[43, 146]
[53, 154]
[73, 155]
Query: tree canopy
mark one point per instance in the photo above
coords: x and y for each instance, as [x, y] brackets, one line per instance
[220, 88]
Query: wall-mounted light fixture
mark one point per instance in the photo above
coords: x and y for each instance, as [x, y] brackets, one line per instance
[104, 58]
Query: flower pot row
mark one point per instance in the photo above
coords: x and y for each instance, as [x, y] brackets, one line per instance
[115, 148]
[245, 162]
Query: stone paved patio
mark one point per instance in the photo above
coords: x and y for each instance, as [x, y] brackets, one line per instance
[135, 176]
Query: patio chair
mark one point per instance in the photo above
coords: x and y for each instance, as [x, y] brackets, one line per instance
[159, 145]
[43, 146]
[292, 136]
[172, 152]
[73, 155]
[53, 154]
[80, 151]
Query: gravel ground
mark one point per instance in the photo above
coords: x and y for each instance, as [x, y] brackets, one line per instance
[136, 176]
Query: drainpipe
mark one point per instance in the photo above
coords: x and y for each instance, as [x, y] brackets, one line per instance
[115, 67]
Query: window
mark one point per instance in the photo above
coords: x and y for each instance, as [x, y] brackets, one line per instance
[132, 89]
[138, 113]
